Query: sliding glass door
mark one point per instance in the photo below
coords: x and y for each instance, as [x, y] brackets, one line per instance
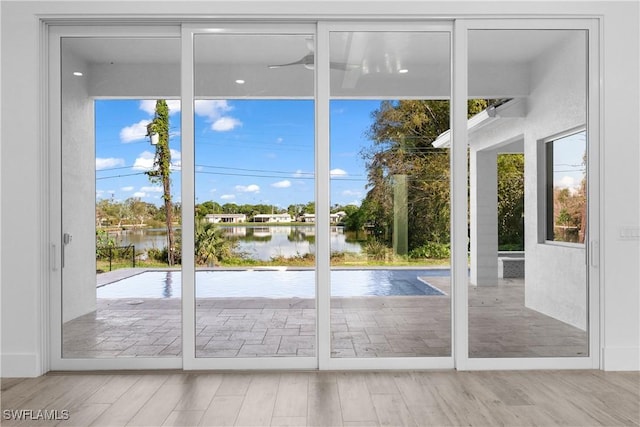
[390, 194]
[324, 196]
[253, 118]
[528, 163]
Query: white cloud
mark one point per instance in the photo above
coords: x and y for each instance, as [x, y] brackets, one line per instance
[302, 174]
[144, 161]
[211, 107]
[282, 184]
[109, 162]
[228, 197]
[224, 124]
[149, 106]
[154, 189]
[128, 188]
[569, 182]
[135, 132]
[140, 194]
[338, 172]
[253, 188]
[176, 159]
[215, 113]
[279, 140]
[352, 193]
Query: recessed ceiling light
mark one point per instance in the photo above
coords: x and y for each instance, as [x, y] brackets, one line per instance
[240, 81]
[403, 71]
[77, 73]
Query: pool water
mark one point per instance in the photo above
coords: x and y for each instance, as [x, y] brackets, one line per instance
[274, 284]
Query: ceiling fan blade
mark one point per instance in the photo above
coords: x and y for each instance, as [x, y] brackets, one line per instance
[308, 61]
[305, 60]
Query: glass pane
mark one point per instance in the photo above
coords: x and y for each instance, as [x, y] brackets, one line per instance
[390, 199]
[254, 155]
[527, 151]
[566, 158]
[119, 206]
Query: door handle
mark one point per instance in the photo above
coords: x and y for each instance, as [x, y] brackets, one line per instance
[66, 239]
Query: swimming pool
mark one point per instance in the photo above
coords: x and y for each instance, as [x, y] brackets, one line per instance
[274, 284]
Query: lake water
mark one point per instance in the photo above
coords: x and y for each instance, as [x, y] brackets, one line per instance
[258, 242]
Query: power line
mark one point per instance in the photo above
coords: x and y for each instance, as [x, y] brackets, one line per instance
[255, 170]
[120, 176]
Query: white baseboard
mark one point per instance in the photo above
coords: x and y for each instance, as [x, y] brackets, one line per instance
[621, 358]
[20, 365]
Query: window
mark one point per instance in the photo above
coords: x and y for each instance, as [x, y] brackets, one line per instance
[566, 188]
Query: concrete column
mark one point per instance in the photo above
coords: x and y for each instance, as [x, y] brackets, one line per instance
[400, 215]
[483, 208]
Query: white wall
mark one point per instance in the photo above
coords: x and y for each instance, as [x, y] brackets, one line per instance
[78, 183]
[1, 353]
[135, 80]
[620, 205]
[21, 266]
[24, 251]
[555, 274]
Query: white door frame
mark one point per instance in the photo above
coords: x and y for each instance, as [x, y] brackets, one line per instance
[460, 205]
[190, 361]
[323, 186]
[51, 292]
[323, 359]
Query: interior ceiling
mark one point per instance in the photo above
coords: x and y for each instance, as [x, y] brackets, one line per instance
[380, 54]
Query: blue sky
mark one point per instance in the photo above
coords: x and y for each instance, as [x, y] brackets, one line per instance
[254, 151]
[247, 151]
[568, 155]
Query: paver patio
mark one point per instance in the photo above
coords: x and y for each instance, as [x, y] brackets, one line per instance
[372, 326]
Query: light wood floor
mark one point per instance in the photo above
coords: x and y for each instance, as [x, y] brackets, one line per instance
[442, 398]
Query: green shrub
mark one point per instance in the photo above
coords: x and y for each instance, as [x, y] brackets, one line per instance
[511, 247]
[376, 250]
[431, 250]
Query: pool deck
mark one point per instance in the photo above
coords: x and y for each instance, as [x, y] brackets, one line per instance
[389, 326]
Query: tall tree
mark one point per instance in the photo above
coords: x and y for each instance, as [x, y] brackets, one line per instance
[161, 172]
[511, 200]
[402, 133]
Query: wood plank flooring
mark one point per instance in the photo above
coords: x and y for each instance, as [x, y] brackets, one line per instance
[424, 398]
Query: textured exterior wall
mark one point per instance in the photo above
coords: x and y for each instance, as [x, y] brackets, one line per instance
[78, 197]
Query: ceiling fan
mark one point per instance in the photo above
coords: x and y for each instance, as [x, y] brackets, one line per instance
[308, 61]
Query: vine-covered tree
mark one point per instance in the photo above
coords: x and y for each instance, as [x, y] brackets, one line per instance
[161, 172]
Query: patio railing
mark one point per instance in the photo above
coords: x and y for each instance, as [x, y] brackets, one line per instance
[117, 253]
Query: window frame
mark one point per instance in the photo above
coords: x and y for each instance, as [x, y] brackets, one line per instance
[546, 170]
